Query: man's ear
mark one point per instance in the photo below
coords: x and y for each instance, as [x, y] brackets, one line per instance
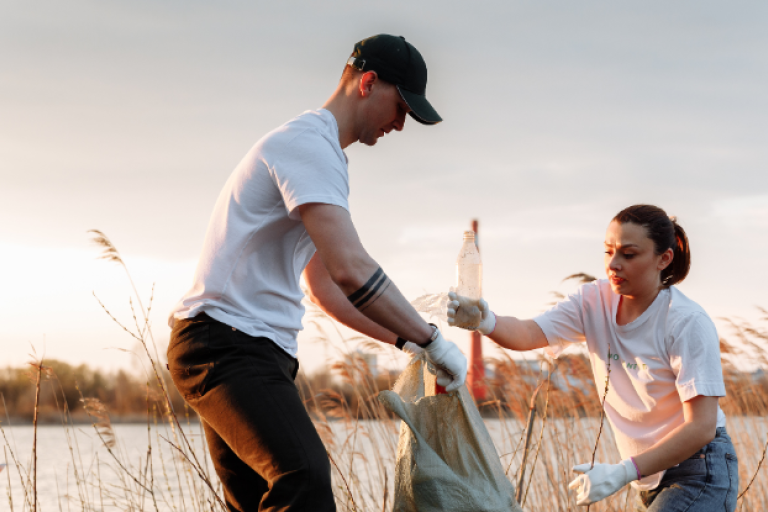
[367, 83]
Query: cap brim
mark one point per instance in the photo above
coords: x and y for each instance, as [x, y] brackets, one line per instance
[421, 110]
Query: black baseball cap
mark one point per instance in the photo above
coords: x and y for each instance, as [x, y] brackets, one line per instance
[396, 61]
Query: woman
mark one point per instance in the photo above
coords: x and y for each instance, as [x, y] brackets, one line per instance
[665, 374]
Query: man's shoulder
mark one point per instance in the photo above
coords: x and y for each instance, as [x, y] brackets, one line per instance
[313, 128]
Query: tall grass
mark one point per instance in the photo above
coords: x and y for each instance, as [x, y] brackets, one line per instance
[544, 417]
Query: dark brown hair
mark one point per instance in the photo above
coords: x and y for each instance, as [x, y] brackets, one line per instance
[348, 73]
[666, 233]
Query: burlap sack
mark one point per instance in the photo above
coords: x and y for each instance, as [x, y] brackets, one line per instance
[446, 460]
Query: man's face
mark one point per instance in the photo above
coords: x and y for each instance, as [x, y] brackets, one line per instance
[384, 110]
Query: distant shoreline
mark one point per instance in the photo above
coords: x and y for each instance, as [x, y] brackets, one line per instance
[193, 420]
[80, 420]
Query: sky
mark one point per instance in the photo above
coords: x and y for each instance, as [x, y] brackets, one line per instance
[128, 117]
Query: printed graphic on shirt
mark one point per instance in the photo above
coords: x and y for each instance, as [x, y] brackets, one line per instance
[639, 365]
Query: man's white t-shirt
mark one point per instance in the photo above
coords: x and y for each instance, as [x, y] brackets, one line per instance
[668, 355]
[256, 246]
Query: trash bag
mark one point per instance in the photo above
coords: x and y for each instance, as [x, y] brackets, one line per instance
[446, 460]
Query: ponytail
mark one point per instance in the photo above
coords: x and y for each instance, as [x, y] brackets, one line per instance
[681, 263]
[666, 233]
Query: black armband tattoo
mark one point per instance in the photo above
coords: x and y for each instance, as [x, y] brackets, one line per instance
[370, 291]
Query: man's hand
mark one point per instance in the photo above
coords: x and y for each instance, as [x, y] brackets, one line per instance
[469, 314]
[450, 362]
[601, 481]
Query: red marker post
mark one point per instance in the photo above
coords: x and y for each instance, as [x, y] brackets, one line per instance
[476, 376]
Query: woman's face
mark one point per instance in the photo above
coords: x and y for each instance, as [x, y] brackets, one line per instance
[631, 263]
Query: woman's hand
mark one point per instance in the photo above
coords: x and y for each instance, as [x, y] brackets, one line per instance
[601, 481]
[470, 314]
[507, 331]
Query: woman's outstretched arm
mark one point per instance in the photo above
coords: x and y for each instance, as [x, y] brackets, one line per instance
[516, 334]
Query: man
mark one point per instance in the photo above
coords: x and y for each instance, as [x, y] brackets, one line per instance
[282, 212]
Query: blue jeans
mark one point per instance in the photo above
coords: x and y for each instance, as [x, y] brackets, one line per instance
[706, 482]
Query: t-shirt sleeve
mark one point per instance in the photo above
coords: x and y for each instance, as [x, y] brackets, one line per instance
[563, 324]
[694, 355]
[310, 171]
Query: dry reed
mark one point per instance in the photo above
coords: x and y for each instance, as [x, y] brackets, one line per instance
[361, 436]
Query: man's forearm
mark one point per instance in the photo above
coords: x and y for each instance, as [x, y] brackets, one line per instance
[380, 300]
[329, 297]
[367, 294]
[345, 313]
[360, 278]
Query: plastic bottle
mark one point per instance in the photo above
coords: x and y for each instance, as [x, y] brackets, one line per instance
[469, 279]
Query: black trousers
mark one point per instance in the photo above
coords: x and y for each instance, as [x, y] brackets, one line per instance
[263, 444]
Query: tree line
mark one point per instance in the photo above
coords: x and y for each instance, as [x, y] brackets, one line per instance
[345, 387]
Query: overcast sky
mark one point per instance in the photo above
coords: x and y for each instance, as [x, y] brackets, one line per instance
[129, 116]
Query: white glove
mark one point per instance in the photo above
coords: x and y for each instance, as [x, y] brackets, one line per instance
[471, 315]
[450, 362]
[412, 349]
[601, 481]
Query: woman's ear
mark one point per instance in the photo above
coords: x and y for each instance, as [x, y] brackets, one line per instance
[666, 258]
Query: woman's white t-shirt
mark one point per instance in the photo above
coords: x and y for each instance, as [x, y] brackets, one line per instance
[668, 355]
[256, 246]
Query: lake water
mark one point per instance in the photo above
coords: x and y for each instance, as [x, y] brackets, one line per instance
[76, 472]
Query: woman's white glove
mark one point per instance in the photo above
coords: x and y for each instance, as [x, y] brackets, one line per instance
[469, 314]
[450, 362]
[601, 481]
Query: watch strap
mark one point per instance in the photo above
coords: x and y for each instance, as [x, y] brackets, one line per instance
[435, 333]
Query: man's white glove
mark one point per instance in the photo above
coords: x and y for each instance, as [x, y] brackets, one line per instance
[450, 362]
[601, 481]
[469, 314]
